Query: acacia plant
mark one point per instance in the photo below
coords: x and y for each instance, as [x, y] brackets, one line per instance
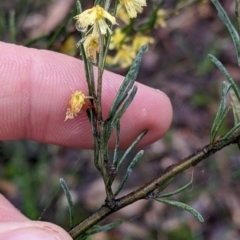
[99, 32]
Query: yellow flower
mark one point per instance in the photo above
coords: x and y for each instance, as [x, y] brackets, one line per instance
[132, 6]
[68, 47]
[91, 47]
[140, 40]
[117, 39]
[75, 105]
[124, 56]
[161, 18]
[95, 17]
[122, 15]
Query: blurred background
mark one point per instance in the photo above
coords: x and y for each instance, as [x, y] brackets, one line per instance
[177, 64]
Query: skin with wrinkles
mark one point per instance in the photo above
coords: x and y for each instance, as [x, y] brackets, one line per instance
[37, 85]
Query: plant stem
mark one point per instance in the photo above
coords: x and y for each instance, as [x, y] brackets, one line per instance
[99, 81]
[148, 190]
[103, 146]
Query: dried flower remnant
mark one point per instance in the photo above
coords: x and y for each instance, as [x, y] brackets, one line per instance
[75, 105]
[91, 47]
[95, 17]
[132, 6]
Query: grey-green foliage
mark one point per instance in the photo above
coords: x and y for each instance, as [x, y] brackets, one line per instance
[69, 199]
[234, 90]
[163, 199]
[225, 19]
[184, 206]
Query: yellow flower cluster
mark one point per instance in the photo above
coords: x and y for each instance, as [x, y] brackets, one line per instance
[124, 57]
[94, 18]
[93, 23]
[126, 47]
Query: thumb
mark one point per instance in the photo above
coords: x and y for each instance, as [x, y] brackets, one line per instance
[15, 226]
[32, 230]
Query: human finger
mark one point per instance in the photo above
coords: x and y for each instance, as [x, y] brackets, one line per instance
[14, 225]
[36, 87]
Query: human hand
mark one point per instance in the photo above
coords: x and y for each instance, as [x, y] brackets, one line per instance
[36, 86]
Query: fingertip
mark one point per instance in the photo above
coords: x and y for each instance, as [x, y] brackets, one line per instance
[164, 113]
[151, 110]
[8, 212]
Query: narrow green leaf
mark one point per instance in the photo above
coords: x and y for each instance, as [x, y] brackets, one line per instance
[221, 109]
[115, 156]
[79, 7]
[177, 191]
[184, 206]
[221, 113]
[236, 109]
[91, 118]
[229, 133]
[218, 125]
[224, 17]
[69, 199]
[237, 12]
[129, 171]
[128, 82]
[124, 107]
[235, 106]
[112, 124]
[136, 141]
[164, 185]
[12, 25]
[226, 74]
[3, 23]
[119, 163]
[152, 17]
[97, 2]
[104, 228]
[235, 113]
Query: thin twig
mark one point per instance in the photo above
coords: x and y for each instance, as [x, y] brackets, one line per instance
[147, 191]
